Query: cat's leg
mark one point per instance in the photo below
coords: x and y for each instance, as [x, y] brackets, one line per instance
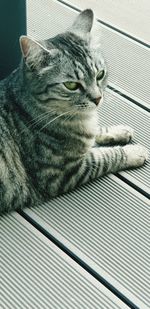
[104, 160]
[113, 159]
[120, 134]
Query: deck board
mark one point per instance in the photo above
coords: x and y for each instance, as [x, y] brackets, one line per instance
[106, 225]
[38, 275]
[127, 17]
[117, 110]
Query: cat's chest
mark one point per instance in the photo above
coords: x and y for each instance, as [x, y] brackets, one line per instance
[89, 126]
[80, 135]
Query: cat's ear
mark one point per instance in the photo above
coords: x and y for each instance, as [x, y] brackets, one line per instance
[83, 23]
[31, 51]
[34, 53]
[28, 46]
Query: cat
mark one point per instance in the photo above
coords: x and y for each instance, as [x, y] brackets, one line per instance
[49, 120]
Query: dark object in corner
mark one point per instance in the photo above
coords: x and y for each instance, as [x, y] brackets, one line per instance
[12, 25]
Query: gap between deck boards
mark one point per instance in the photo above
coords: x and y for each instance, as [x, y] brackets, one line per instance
[108, 25]
[85, 266]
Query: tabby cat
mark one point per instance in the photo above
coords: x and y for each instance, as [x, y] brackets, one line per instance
[49, 121]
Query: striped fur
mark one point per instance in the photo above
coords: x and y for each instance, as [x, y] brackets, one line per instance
[48, 132]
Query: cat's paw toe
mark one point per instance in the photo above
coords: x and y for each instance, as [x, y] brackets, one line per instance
[136, 155]
[126, 133]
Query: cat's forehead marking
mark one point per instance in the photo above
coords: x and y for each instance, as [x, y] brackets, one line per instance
[77, 57]
[91, 64]
[80, 74]
[79, 70]
[86, 70]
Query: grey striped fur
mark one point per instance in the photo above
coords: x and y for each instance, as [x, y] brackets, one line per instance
[47, 132]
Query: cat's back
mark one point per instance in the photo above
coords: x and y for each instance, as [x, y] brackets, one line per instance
[6, 86]
[8, 142]
[6, 104]
[13, 178]
[4, 112]
[3, 106]
[3, 92]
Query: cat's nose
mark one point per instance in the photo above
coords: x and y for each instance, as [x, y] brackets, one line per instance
[97, 100]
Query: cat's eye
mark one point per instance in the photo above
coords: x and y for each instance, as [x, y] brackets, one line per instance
[100, 75]
[72, 85]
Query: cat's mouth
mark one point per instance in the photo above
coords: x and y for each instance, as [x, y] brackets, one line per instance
[86, 107]
[91, 105]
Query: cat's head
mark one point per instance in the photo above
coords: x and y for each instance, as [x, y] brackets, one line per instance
[67, 71]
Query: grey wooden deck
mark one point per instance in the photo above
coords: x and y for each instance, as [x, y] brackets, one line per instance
[90, 248]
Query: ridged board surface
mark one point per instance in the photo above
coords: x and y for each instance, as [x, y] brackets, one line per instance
[35, 274]
[120, 15]
[106, 224]
[118, 110]
[128, 64]
[128, 61]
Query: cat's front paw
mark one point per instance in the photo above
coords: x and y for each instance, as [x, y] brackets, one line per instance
[136, 155]
[120, 134]
[123, 133]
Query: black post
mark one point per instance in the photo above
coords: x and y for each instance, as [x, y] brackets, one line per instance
[12, 25]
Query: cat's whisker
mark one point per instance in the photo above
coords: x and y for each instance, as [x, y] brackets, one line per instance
[36, 121]
[42, 114]
[50, 122]
[41, 118]
[70, 116]
[66, 119]
[47, 124]
[38, 117]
